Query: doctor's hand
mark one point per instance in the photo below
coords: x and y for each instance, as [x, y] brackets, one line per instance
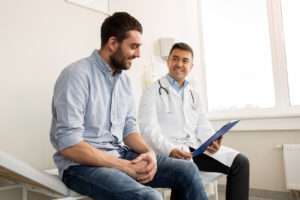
[180, 154]
[147, 172]
[215, 146]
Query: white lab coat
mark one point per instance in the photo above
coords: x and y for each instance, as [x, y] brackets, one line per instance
[167, 121]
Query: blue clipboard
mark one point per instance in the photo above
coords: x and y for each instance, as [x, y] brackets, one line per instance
[214, 137]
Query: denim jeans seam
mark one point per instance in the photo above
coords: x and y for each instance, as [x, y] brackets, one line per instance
[106, 189]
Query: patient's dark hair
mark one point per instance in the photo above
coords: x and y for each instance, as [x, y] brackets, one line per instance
[182, 46]
[118, 26]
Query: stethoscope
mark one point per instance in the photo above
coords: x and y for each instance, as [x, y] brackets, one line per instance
[161, 88]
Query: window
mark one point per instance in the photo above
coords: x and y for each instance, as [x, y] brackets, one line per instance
[291, 18]
[237, 54]
[250, 67]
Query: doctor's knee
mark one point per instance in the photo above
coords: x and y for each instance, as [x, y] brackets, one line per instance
[241, 162]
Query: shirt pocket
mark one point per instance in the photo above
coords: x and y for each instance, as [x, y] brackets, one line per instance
[122, 110]
[94, 122]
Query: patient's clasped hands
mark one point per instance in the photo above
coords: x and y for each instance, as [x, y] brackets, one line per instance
[143, 167]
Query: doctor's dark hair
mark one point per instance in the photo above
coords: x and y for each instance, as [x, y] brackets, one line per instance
[182, 46]
[118, 26]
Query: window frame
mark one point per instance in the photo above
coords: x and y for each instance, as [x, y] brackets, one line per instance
[283, 108]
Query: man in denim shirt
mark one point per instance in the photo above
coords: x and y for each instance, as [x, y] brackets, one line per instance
[99, 150]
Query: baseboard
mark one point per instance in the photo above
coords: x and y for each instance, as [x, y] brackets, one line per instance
[268, 194]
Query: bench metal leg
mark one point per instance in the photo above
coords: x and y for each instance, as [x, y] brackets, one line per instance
[216, 190]
[71, 198]
[24, 193]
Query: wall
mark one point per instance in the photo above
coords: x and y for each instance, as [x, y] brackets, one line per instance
[39, 38]
[266, 159]
[167, 18]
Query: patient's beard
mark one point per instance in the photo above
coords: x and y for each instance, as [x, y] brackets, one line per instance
[118, 61]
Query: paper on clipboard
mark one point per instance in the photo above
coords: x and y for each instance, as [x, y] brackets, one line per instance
[214, 137]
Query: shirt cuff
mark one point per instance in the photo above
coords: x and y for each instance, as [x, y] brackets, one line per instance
[129, 130]
[68, 141]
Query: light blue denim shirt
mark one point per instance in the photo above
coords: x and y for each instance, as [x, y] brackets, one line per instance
[92, 105]
[179, 89]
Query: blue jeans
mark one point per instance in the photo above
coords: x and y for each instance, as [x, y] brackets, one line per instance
[102, 183]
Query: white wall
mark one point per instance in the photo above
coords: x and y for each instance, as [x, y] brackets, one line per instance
[266, 159]
[167, 18]
[38, 39]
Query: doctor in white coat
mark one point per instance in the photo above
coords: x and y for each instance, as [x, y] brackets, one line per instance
[173, 122]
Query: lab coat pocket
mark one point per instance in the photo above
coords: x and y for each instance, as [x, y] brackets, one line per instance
[166, 117]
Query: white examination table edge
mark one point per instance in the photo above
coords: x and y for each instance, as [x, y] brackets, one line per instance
[48, 183]
[31, 179]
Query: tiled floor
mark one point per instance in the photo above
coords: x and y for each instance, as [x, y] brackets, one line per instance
[251, 198]
[257, 194]
[222, 197]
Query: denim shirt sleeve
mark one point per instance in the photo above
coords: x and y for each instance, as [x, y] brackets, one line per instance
[130, 120]
[69, 101]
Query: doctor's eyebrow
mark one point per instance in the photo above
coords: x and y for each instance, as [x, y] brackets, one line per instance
[185, 60]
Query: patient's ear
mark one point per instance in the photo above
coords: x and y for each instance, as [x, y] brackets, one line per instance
[112, 44]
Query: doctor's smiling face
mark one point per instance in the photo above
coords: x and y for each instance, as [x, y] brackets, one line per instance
[180, 62]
